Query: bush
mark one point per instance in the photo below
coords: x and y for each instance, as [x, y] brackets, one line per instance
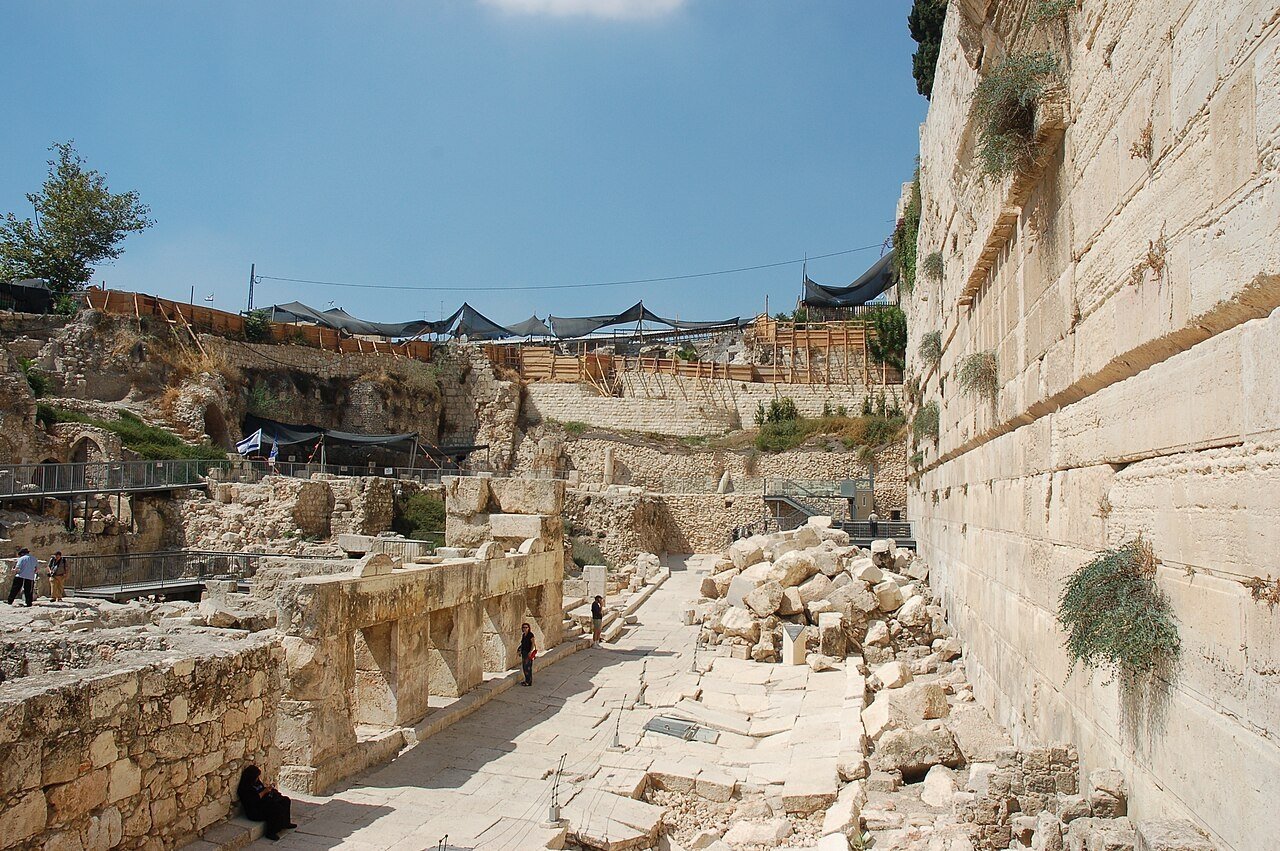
[905, 237]
[687, 352]
[36, 379]
[782, 410]
[584, 552]
[1004, 111]
[574, 428]
[933, 267]
[889, 345]
[979, 375]
[871, 431]
[780, 436]
[257, 326]
[421, 518]
[925, 422]
[151, 442]
[65, 305]
[1115, 616]
[1048, 10]
[260, 401]
[931, 348]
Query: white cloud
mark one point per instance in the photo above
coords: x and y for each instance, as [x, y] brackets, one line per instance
[613, 9]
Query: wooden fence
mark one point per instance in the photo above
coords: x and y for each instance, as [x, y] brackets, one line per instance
[192, 319]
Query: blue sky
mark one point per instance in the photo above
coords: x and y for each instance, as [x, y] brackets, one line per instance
[475, 143]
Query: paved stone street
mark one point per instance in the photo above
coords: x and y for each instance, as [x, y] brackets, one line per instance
[486, 781]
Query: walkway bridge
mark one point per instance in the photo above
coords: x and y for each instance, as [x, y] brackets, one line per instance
[173, 574]
[791, 502]
[67, 481]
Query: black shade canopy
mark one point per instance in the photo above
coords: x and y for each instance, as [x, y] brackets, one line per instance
[872, 283]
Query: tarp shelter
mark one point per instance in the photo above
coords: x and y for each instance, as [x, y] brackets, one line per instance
[566, 326]
[872, 283]
[339, 320]
[29, 295]
[531, 327]
[474, 325]
[288, 434]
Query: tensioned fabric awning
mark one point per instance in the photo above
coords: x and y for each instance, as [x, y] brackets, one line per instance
[287, 434]
[870, 284]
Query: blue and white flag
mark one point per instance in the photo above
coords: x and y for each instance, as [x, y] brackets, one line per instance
[251, 445]
[275, 450]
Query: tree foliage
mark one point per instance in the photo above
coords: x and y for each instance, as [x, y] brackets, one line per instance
[78, 223]
[925, 23]
[889, 345]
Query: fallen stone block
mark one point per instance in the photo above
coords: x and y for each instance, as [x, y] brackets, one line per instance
[877, 634]
[938, 787]
[1100, 834]
[375, 564]
[791, 603]
[1048, 833]
[792, 569]
[865, 570]
[764, 600]
[769, 832]
[831, 636]
[913, 752]
[1108, 793]
[1170, 834]
[889, 595]
[818, 662]
[715, 785]
[844, 816]
[747, 551]
[815, 588]
[806, 537]
[739, 623]
[891, 675]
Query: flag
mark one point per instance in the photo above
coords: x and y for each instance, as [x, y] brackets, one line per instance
[275, 450]
[209, 298]
[251, 445]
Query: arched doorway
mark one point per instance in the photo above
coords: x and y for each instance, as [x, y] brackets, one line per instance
[215, 426]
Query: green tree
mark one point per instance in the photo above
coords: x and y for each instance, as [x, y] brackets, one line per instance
[925, 23]
[889, 345]
[78, 223]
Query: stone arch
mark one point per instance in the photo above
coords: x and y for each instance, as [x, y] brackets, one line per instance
[215, 426]
[86, 448]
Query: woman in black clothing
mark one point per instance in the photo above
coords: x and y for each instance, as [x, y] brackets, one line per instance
[527, 653]
[264, 803]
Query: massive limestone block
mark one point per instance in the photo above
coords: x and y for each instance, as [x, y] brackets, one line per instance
[864, 569]
[793, 568]
[737, 622]
[831, 636]
[528, 496]
[767, 833]
[828, 563]
[815, 588]
[467, 532]
[913, 613]
[889, 595]
[747, 551]
[791, 603]
[913, 752]
[807, 536]
[519, 527]
[465, 495]
[891, 675]
[764, 601]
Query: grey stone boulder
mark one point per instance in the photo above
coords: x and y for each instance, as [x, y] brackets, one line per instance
[913, 752]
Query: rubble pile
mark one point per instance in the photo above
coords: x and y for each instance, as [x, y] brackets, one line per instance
[843, 598]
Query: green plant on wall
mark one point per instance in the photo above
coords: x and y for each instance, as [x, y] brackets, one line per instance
[933, 267]
[931, 348]
[1003, 110]
[257, 326]
[926, 422]
[1049, 10]
[905, 237]
[979, 375]
[36, 379]
[1115, 616]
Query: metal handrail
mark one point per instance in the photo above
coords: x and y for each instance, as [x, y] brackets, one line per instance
[36, 480]
[156, 570]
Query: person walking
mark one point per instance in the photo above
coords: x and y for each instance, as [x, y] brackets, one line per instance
[597, 619]
[264, 803]
[24, 577]
[528, 652]
[57, 576]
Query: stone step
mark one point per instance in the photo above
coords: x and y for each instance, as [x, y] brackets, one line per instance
[229, 835]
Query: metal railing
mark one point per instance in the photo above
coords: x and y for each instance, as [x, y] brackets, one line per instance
[254, 471]
[862, 529]
[33, 481]
[152, 573]
[802, 488]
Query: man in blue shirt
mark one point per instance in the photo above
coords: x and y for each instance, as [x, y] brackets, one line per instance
[24, 577]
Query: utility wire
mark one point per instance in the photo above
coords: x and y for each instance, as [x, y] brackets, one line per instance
[590, 285]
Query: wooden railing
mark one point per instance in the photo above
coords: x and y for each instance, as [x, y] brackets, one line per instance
[190, 318]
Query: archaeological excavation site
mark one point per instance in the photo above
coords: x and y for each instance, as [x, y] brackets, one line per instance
[976, 547]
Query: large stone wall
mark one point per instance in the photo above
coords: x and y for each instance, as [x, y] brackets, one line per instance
[1129, 302]
[144, 755]
[683, 407]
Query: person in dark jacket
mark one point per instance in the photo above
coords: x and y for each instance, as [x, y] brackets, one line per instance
[264, 803]
[597, 618]
[527, 653]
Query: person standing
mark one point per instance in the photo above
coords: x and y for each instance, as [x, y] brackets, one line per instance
[264, 803]
[57, 576]
[527, 653]
[24, 577]
[597, 619]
